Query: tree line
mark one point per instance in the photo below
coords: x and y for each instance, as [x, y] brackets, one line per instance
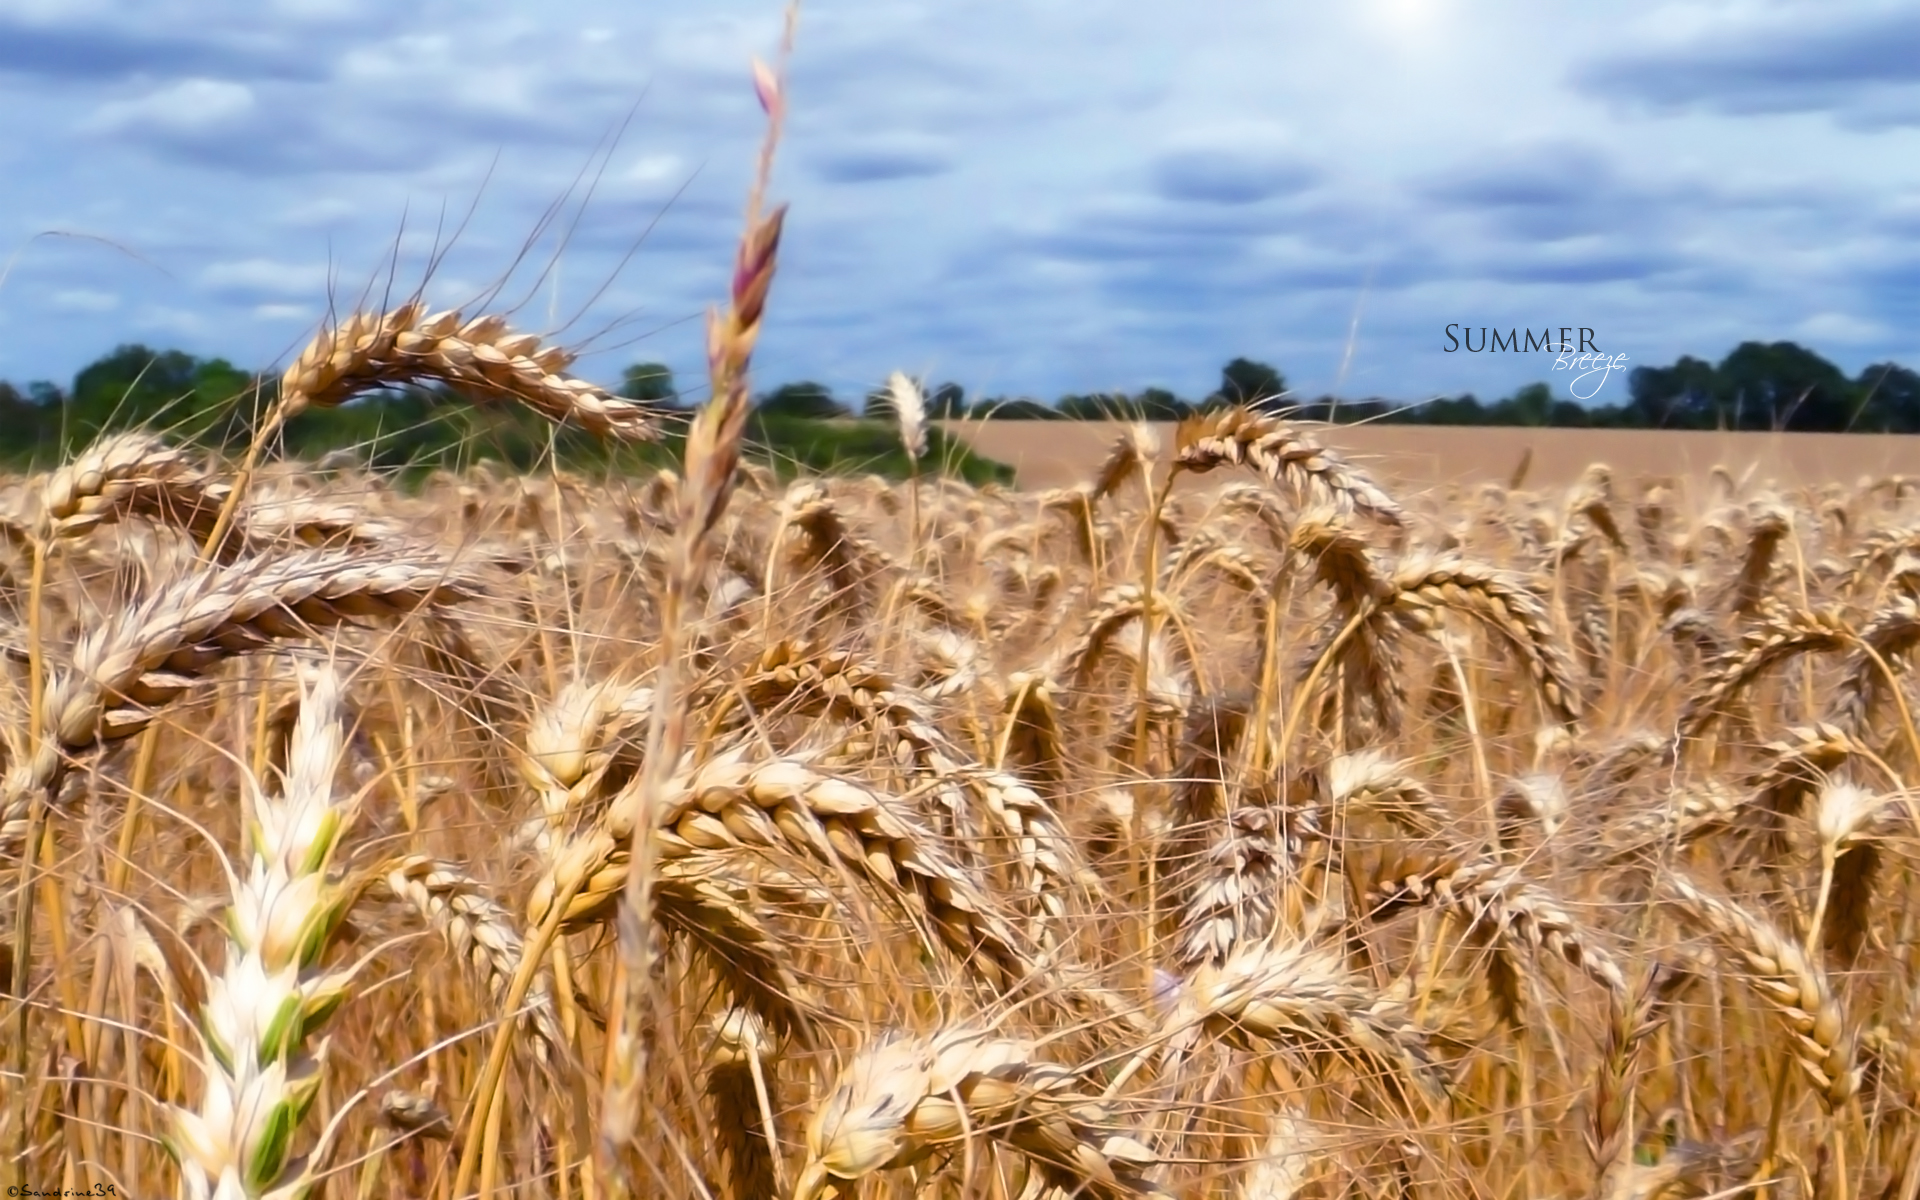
[1757, 386]
[414, 430]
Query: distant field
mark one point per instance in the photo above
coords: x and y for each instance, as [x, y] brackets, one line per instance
[1055, 453]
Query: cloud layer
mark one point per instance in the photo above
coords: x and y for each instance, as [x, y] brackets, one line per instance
[1026, 196]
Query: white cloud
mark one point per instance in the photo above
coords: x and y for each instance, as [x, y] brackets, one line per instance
[190, 106]
[1839, 327]
[173, 320]
[87, 300]
[256, 275]
[310, 211]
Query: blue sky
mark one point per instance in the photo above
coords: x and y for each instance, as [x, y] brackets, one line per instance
[1025, 196]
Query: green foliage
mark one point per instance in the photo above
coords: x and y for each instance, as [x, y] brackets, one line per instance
[1246, 381]
[805, 399]
[947, 402]
[20, 415]
[414, 431]
[999, 408]
[134, 385]
[793, 444]
[202, 400]
[649, 381]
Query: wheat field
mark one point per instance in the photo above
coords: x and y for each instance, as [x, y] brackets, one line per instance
[1220, 824]
[1265, 838]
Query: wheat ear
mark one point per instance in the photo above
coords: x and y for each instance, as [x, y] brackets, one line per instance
[737, 1087]
[1368, 784]
[1302, 998]
[1488, 893]
[733, 801]
[147, 655]
[1779, 969]
[479, 930]
[1781, 634]
[1286, 456]
[1885, 642]
[903, 1098]
[272, 996]
[1611, 1127]
[1504, 605]
[131, 473]
[1235, 896]
[479, 358]
[1844, 817]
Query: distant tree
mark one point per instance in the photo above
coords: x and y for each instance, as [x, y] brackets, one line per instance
[1159, 404]
[1245, 381]
[1094, 406]
[1464, 409]
[1531, 405]
[1373, 408]
[206, 399]
[947, 402]
[649, 381]
[22, 421]
[804, 399]
[1023, 409]
[1325, 408]
[1676, 397]
[1890, 399]
[1151, 404]
[1568, 414]
[1782, 385]
[132, 385]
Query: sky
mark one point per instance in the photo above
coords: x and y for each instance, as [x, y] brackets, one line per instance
[1028, 197]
